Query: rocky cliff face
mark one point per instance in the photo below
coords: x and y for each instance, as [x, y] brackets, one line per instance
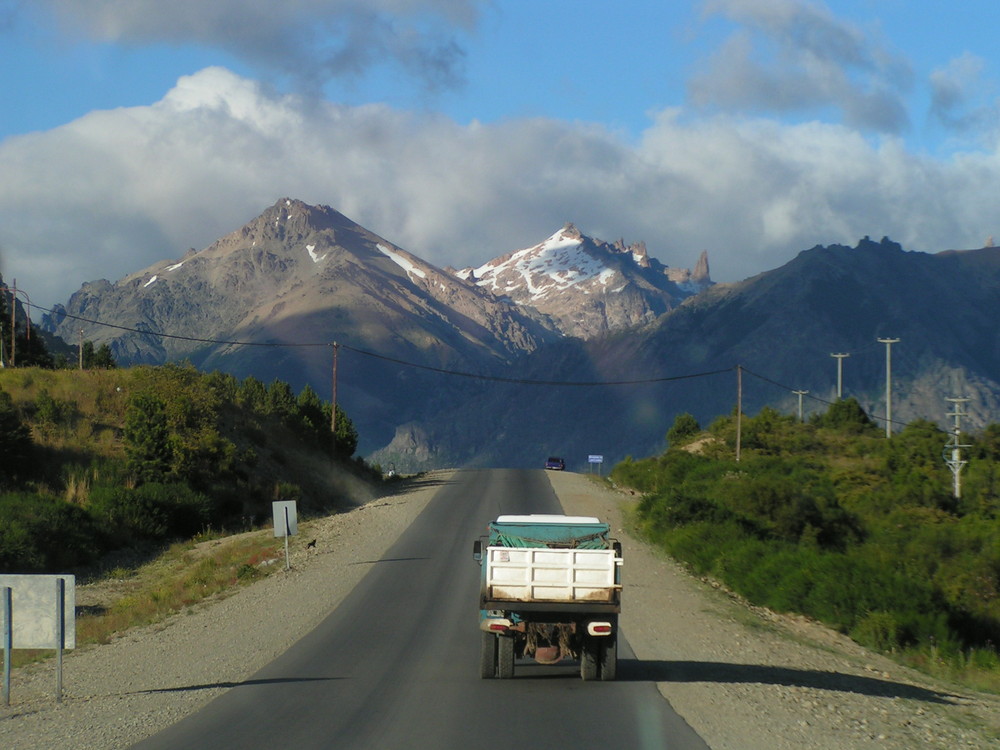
[285, 287]
[781, 327]
[292, 265]
[589, 287]
[270, 298]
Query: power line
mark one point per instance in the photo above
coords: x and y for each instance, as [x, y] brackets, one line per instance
[459, 373]
[405, 363]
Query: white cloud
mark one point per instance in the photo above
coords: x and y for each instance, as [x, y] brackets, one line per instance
[963, 101]
[793, 56]
[307, 40]
[117, 190]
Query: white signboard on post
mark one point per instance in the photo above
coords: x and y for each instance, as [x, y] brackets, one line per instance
[37, 611]
[34, 604]
[285, 521]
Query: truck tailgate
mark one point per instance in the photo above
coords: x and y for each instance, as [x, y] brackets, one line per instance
[541, 574]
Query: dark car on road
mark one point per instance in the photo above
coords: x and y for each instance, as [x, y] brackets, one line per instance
[555, 463]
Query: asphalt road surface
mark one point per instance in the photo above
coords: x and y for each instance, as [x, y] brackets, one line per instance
[396, 665]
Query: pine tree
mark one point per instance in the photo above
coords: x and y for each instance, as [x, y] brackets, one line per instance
[147, 438]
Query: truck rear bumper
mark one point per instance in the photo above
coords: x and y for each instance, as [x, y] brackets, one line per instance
[582, 609]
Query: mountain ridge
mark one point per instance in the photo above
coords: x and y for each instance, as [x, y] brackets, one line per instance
[780, 327]
[272, 297]
[589, 287]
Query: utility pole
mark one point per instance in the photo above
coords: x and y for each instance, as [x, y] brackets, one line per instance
[13, 321]
[840, 374]
[953, 450]
[739, 409]
[800, 394]
[888, 384]
[333, 408]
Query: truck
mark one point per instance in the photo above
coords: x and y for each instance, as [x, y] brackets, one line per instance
[550, 589]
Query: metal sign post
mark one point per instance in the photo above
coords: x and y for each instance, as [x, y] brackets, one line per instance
[8, 632]
[596, 460]
[60, 635]
[285, 523]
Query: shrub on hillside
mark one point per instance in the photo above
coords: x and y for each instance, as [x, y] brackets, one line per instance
[15, 442]
[847, 416]
[684, 428]
[150, 512]
[904, 566]
[44, 534]
[147, 438]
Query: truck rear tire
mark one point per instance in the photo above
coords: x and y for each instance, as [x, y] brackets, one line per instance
[609, 657]
[488, 656]
[589, 655]
[505, 657]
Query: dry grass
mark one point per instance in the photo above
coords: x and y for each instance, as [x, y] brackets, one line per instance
[89, 392]
[183, 577]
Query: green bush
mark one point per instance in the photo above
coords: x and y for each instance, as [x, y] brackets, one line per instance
[150, 512]
[684, 428]
[147, 438]
[832, 520]
[39, 533]
[15, 442]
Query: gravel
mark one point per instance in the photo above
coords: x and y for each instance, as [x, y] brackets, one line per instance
[742, 677]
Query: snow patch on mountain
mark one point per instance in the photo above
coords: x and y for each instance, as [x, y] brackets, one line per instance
[589, 287]
[400, 261]
[316, 257]
[553, 266]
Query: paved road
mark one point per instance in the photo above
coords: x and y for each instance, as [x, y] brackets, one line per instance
[396, 664]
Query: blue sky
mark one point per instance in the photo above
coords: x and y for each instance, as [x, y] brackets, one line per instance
[463, 129]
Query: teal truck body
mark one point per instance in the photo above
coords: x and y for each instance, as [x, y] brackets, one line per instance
[550, 590]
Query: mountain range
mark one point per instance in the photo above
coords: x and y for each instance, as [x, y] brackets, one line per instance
[272, 298]
[573, 347]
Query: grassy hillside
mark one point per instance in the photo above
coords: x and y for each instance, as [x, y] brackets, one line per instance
[832, 520]
[94, 461]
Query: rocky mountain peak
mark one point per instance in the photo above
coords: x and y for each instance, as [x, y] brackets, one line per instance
[587, 286]
[570, 232]
[700, 273]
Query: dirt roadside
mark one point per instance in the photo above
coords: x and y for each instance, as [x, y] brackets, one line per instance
[744, 679]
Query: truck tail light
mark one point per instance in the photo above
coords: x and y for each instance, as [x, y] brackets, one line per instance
[495, 624]
[599, 628]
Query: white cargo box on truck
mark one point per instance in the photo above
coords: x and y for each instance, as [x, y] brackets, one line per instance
[539, 574]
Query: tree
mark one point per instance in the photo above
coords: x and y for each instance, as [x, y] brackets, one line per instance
[846, 415]
[224, 385]
[346, 436]
[252, 395]
[103, 358]
[309, 408]
[685, 427]
[147, 438]
[281, 400]
[100, 358]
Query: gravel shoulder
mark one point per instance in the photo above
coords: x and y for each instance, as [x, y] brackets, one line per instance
[743, 678]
